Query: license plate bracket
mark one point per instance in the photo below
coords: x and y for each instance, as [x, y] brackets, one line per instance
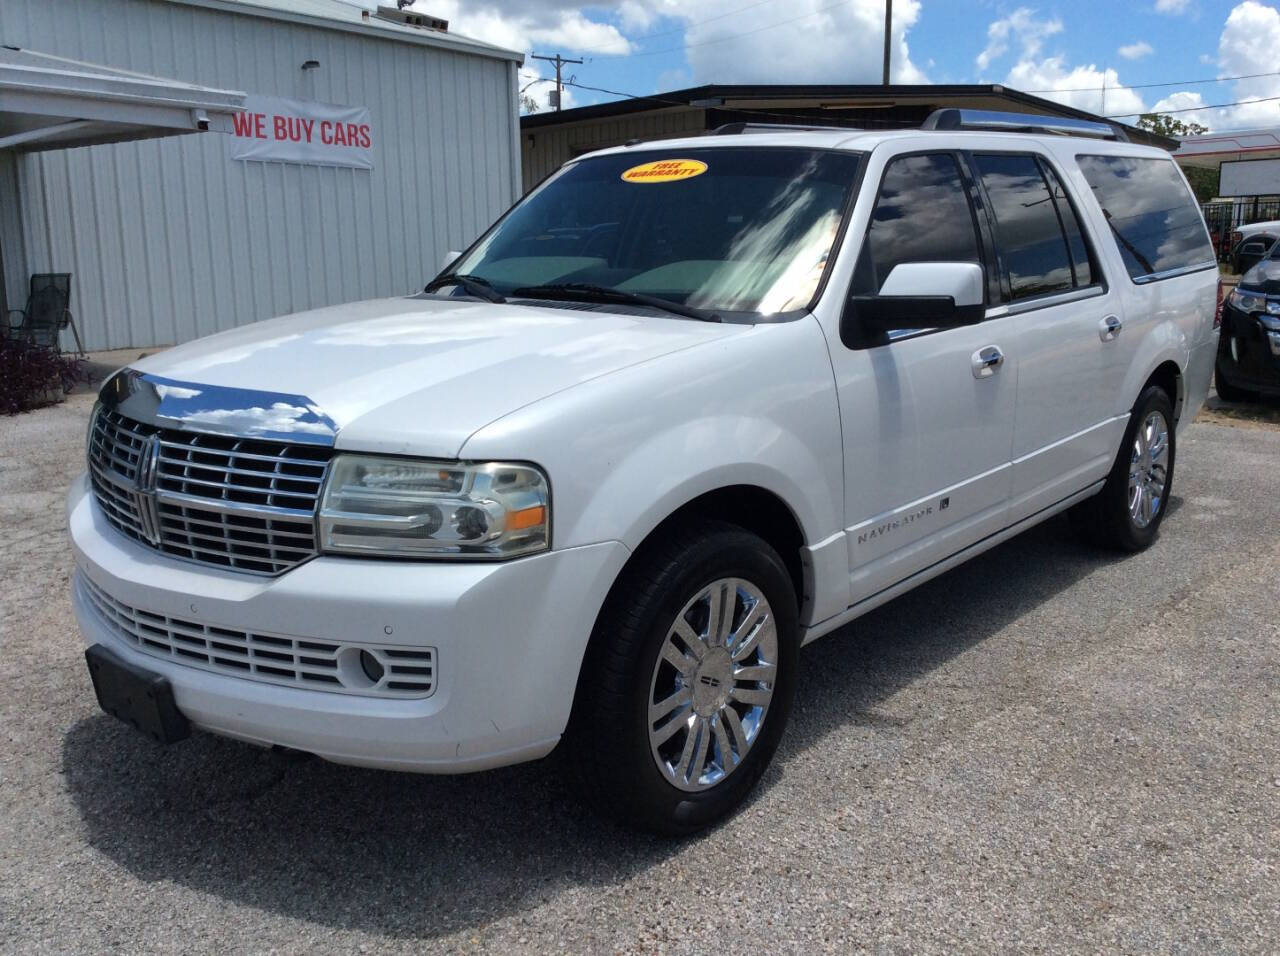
[139, 697]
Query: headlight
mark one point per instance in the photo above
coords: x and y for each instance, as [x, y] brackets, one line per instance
[1247, 301]
[409, 508]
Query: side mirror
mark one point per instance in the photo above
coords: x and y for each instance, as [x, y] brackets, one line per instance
[916, 295]
[449, 259]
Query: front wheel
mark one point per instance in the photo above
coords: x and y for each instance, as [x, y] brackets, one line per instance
[688, 680]
[1127, 512]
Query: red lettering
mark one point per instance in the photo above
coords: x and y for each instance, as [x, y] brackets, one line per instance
[339, 134]
[243, 123]
[280, 127]
[307, 127]
[326, 132]
[365, 139]
[353, 134]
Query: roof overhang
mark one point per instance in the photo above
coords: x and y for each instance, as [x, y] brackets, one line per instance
[832, 100]
[1212, 149]
[48, 102]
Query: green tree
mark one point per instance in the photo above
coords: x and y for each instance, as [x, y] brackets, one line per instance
[1165, 125]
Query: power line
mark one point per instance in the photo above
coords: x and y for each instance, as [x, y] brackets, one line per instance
[1149, 86]
[1193, 109]
[560, 62]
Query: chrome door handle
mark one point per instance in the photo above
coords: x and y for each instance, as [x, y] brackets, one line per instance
[1109, 328]
[986, 361]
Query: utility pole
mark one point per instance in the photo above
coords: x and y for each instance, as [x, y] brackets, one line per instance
[559, 61]
[888, 33]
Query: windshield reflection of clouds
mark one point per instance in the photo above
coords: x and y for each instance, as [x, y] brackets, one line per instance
[751, 234]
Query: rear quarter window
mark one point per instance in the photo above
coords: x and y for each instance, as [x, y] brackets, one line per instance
[1153, 217]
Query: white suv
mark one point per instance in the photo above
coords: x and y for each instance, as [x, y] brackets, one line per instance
[686, 407]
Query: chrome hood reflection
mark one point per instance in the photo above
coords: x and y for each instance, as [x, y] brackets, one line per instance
[412, 376]
[244, 413]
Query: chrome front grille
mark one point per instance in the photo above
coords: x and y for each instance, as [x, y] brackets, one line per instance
[274, 658]
[243, 503]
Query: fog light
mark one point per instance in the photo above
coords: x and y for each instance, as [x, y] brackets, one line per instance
[371, 666]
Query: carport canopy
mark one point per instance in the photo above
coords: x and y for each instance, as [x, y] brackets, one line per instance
[48, 102]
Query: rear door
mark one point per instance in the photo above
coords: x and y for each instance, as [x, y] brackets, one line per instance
[1069, 332]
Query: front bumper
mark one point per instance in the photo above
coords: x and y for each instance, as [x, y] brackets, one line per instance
[1248, 353]
[509, 638]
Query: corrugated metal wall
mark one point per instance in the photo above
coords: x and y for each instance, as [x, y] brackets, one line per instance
[12, 255]
[170, 239]
[545, 150]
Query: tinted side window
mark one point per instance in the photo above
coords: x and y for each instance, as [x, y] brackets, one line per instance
[1152, 214]
[1033, 247]
[922, 215]
[1081, 263]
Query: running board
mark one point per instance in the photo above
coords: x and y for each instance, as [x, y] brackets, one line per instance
[815, 631]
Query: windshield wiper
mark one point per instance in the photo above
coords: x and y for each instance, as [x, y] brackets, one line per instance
[473, 285]
[586, 292]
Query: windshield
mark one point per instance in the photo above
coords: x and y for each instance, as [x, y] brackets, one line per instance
[725, 229]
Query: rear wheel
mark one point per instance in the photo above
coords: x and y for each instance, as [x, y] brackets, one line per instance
[688, 680]
[1127, 512]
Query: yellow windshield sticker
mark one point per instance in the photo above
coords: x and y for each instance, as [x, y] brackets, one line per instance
[664, 171]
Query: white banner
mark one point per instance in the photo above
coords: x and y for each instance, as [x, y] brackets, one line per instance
[276, 130]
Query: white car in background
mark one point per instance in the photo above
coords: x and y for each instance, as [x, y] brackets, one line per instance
[689, 405]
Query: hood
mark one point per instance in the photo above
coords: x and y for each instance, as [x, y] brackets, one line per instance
[1263, 277]
[419, 375]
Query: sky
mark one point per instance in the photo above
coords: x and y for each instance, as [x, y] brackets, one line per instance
[1064, 51]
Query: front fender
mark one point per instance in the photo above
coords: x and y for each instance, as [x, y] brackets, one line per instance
[671, 468]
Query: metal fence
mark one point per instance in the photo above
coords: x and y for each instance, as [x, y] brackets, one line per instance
[1224, 217]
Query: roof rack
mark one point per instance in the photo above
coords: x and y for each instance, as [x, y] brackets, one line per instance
[990, 120]
[735, 129]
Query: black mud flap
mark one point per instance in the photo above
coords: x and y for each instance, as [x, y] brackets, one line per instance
[139, 697]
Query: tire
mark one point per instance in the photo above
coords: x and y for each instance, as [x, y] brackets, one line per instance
[1110, 518]
[631, 663]
[1228, 392]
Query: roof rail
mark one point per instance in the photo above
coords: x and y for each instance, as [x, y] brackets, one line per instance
[735, 129]
[1022, 123]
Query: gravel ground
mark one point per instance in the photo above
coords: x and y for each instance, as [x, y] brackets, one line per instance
[1044, 750]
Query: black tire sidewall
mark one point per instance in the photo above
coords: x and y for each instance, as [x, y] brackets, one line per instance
[641, 795]
[1118, 523]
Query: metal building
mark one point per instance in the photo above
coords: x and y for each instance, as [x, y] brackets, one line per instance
[553, 138]
[171, 239]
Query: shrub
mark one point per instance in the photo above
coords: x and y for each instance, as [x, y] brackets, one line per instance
[35, 375]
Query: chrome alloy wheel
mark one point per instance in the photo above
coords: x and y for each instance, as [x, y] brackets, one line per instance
[1148, 470]
[712, 684]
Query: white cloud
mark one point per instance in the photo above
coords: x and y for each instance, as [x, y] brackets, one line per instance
[817, 43]
[1180, 104]
[1080, 86]
[525, 25]
[1136, 51]
[1246, 46]
[1023, 27]
[788, 42]
[1052, 77]
[1173, 7]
